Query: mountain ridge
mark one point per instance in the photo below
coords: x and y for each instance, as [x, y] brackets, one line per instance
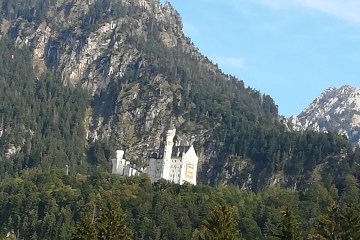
[336, 109]
[141, 73]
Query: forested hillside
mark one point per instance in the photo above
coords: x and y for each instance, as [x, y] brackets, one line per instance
[42, 121]
[50, 205]
[136, 82]
[80, 79]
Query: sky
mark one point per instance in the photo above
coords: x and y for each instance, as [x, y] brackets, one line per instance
[291, 50]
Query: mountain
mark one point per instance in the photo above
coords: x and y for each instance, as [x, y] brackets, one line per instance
[141, 73]
[80, 79]
[336, 110]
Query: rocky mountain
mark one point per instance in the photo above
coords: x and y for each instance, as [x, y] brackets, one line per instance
[139, 68]
[89, 77]
[82, 78]
[336, 110]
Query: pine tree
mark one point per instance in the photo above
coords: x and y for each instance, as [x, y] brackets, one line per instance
[288, 228]
[328, 225]
[350, 221]
[221, 224]
[112, 224]
[86, 229]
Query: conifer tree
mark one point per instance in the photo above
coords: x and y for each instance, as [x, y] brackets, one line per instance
[288, 228]
[350, 221]
[85, 230]
[221, 224]
[328, 226]
[112, 225]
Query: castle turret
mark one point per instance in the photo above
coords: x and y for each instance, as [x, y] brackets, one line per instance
[169, 142]
[118, 163]
[119, 154]
[168, 148]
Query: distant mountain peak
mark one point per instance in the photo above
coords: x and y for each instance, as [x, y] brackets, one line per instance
[336, 110]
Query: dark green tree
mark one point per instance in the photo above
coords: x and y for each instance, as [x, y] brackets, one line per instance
[328, 225]
[112, 224]
[288, 228]
[221, 224]
[350, 221]
[85, 230]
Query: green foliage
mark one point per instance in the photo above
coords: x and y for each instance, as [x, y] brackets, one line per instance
[30, 10]
[40, 116]
[111, 224]
[85, 230]
[338, 223]
[221, 224]
[288, 228]
[44, 204]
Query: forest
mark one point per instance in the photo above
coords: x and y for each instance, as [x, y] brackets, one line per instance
[42, 204]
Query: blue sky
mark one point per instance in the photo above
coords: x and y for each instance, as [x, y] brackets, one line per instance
[290, 49]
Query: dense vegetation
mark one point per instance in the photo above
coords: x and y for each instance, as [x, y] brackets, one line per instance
[50, 205]
[41, 120]
[42, 131]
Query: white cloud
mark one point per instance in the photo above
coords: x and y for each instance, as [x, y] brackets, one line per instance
[344, 9]
[234, 62]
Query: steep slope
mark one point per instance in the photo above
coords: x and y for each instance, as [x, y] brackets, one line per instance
[140, 69]
[142, 73]
[336, 109]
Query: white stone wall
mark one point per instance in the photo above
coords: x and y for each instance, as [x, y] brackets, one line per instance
[169, 144]
[118, 166]
[121, 166]
[151, 169]
[130, 171]
[174, 174]
[189, 167]
[178, 169]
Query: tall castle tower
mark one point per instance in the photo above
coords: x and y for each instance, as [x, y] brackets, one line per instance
[168, 148]
[118, 163]
[173, 162]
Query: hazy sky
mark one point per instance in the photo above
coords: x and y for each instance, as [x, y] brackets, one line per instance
[289, 49]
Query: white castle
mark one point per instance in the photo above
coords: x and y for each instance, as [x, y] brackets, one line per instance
[122, 167]
[174, 163]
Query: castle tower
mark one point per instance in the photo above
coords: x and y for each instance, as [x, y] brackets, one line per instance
[118, 163]
[169, 142]
[168, 148]
[119, 154]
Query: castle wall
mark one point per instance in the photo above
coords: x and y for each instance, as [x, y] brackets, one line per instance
[189, 167]
[174, 174]
[179, 169]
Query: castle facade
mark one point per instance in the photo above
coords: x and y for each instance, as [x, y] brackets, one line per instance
[171, 162]
[177, 164]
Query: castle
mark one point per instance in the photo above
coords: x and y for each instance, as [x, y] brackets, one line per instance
[171, 162]
[122, 167]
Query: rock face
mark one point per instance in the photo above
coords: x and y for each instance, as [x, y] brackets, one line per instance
[142, 73]
[97, 57]
[94, 57]
[336, 110]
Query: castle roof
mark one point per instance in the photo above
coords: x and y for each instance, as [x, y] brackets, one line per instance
[170, 126]
[177, 151]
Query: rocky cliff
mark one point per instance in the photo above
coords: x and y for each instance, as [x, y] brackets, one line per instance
[140, 69]
[141, 73]
[336, 110]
